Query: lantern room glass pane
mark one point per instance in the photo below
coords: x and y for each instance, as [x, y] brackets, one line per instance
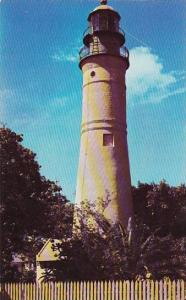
[95, 22]
[103, 22]
[111, 23]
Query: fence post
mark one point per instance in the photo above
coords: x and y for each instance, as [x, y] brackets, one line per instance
[144, 290]
[169, 284]
[91, 290]
[152, 290]
[140, 290]
[174, 290]
[182, 290]
[113, 290]
[128, 289]
[102, 291]
[109, 290]
[136, 290]
[178, 290]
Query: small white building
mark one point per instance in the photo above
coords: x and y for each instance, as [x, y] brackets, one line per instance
[46, 258]
[23, 263]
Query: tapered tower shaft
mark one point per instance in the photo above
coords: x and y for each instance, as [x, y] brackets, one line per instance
[104, 163]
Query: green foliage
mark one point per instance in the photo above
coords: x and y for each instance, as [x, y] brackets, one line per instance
[30, 205]
[97, 250]
[103, 251]
[165, 257]
[161, 213]
[160, 206]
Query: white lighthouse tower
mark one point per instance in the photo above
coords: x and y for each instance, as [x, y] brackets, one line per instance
[104, 162]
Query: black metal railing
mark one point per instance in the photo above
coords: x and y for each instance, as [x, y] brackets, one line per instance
[124, 52]
[90, 30]
[86, 51]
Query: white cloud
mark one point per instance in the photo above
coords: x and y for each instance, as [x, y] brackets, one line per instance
[146, 79]
[67, 54]
[64, 56]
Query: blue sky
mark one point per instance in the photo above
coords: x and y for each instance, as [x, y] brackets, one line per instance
[40, 89]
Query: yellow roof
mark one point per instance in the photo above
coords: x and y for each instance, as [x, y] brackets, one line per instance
[103, 7]
[47, 253]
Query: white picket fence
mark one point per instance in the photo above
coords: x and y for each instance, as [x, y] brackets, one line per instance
[98, 290]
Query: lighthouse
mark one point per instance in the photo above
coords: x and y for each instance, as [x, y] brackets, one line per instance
[103, 170]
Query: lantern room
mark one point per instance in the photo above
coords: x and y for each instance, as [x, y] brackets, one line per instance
[103, 19]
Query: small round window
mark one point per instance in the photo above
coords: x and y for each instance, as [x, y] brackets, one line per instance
[92, 74]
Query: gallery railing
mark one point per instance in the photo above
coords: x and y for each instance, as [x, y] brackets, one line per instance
[90, 30]
[86, 51]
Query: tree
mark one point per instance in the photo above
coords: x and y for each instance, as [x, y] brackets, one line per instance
[161, 206]
[161, 211]
[98, 249]
[165, 257]
[101, 250]
[28, 203]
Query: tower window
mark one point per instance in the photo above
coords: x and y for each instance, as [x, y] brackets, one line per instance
[108, 139]
[92, 74]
